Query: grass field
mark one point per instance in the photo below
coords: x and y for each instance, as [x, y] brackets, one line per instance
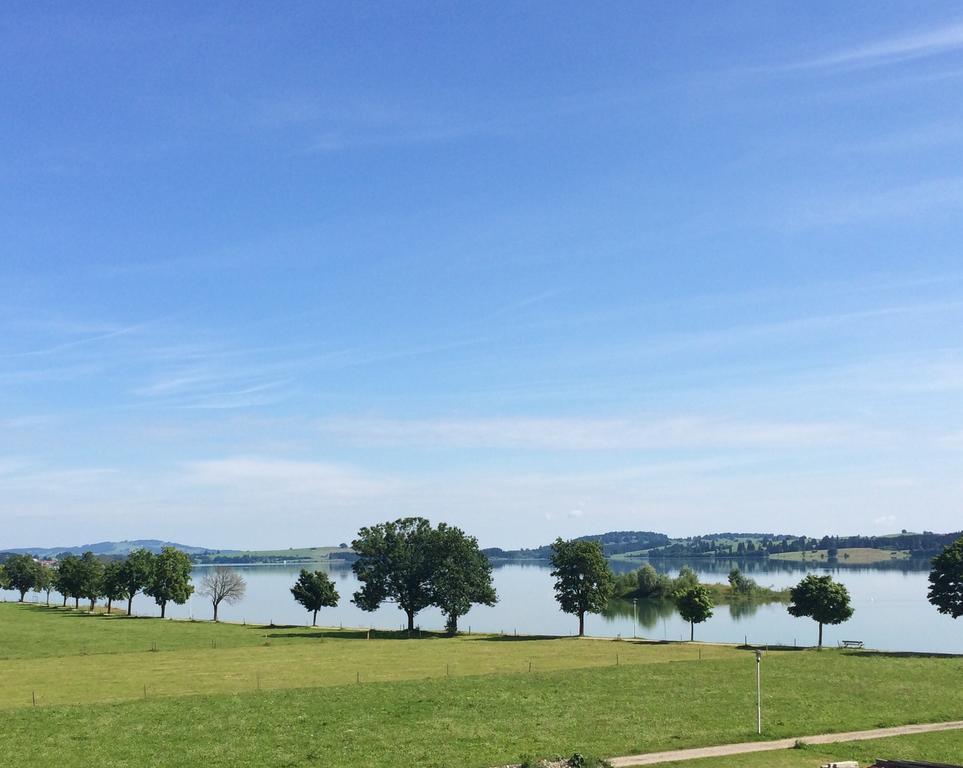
[299, 554]
[229, 695]
[846, 556]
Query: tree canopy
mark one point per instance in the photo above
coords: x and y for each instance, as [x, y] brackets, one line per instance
[583, 579]
[462, 575]
[21, 572]
[315, 590]
[170, 579]
[395, 564]
[694, 605]
[822, 599]
[114, 583]
[136, 573]
[946, 580]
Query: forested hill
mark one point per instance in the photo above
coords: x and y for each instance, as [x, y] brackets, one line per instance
[655, 545]
[613, 543]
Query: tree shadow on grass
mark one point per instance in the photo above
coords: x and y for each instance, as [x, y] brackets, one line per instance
[870, 654]
[316, 633]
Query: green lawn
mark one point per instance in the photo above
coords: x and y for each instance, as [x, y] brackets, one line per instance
[469, 701]
[846, 555]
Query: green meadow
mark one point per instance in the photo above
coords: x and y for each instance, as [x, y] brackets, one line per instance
[141, 691]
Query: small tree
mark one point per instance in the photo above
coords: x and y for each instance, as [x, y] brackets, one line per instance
[583, 579]
[45, 581]
[91, 575]
[315, 591]
[170, 579]
[222, 585]
[462, 575]
[395, 565]
[946, 580]
[22, 573]
[114, 583]
[136, 573]
[694, 605]
[4, 581]
[822, 599]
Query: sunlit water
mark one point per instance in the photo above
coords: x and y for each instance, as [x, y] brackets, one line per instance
[891, 610]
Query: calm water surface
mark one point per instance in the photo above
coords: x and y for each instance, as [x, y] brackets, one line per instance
[892, 612]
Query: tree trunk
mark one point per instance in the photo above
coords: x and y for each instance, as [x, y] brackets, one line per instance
[130, 601]
[23, 592]
[820, 634]
[65, 601]
[109, 601]
[92, 603]
[215, 611]
[314, 620]
[76, 603]
[691, 631]
[453, 624]
[581, 624]
[163, 608]
[411, 620]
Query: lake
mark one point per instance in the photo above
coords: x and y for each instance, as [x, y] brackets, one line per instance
[891, 610]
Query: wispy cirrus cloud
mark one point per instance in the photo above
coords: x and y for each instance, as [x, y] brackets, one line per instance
[889, 50]
[579, 434]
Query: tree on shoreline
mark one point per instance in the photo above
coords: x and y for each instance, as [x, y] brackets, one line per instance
[21, 572]
[822, 599]
[45, 581]
[315, 590]
[170, 579]
[395, 565]
[946, 580]
[114, 586]
[222, 585]
[583, 579]
[462, 575]
[90, 578]
[694, 605]
[136, 573]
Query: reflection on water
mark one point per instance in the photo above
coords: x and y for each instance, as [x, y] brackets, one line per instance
[891, 610]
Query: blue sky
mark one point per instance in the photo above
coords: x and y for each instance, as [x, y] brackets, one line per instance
[268, 274]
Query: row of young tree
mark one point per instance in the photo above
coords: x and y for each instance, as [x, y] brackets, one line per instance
[165, 576]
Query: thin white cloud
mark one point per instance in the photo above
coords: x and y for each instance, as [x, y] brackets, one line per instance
[891, 50]
[315, 481]
[575, 434]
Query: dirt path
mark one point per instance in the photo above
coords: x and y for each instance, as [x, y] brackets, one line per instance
[653, 758]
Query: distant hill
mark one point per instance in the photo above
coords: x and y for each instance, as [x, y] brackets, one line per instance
[613, 543]
[115, 548]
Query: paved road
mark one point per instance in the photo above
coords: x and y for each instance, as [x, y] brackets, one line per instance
[653, 758]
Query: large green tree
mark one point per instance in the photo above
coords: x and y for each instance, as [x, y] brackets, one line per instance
[68, 578]
[170, 579]
[395, 565]
[136, 573]
[22, 572]
[315, 590]
[583, 579]
[462, 575]
[694, 605]
[91, 578]
[822, 599]
[114, 583]
[946, 580]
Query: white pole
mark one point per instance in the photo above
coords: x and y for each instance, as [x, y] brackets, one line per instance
[759, 692]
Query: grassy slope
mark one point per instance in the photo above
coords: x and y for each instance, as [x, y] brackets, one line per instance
[490, 711]
[857, 555]
[929, 747]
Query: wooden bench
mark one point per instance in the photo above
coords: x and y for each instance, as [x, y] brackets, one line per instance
[850, 643]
